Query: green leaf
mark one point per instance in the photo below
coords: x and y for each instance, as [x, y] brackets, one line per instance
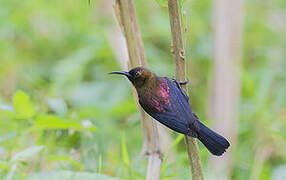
[124, 152]
[67, 159]
[162, 3]
[23, 106]
[164, 166]
[68, 175]
[181, 2]
[6, 114]
[4, 165]
[54, 122]
[27, 153]
[170, 176]
[99, 164]
[177, 140]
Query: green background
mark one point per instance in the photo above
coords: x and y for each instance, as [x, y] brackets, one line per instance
[61, 113]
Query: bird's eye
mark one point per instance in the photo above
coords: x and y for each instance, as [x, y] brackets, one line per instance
[137, 74]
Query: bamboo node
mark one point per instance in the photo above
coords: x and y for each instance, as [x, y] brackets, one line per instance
[182, 54]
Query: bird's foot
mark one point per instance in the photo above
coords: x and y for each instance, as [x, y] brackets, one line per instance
[179, 86]
[181, 83]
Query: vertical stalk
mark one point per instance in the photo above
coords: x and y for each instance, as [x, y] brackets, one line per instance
[225, 88]
[126, 16]
[180, 70]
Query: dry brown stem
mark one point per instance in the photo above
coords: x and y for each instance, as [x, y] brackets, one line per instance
[125, 12]
[180, 70]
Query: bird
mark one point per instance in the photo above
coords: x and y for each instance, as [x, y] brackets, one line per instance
[164, 100]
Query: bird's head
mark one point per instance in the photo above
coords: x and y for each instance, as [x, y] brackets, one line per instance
[139, 76]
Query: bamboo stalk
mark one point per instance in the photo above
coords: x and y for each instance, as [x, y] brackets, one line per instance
[180, 70]
[225, 86]
[126, 16]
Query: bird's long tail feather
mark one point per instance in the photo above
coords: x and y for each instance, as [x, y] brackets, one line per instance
[214, 142]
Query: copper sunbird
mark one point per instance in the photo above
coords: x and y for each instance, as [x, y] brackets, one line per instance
[165, 101]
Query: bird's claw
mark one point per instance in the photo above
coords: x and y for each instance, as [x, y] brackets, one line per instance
[178, 84]
[185, 82]
[181, 83]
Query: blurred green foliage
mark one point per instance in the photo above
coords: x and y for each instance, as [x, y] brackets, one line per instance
[61, 113]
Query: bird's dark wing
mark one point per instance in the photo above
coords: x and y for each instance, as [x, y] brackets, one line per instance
[178, 114]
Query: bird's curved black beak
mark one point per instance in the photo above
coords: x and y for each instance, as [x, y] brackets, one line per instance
[122, 73]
